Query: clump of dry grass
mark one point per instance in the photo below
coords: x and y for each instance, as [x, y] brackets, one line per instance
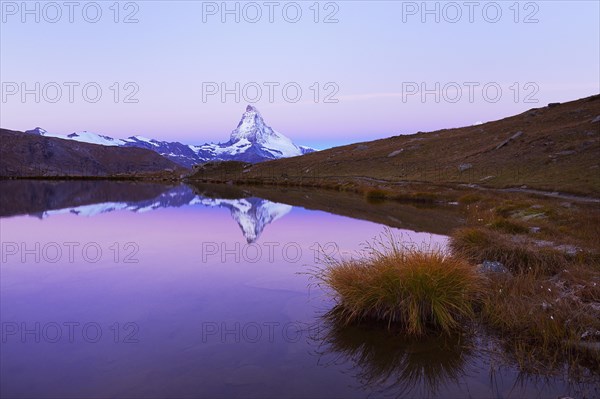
[376, 195]
[418, 197]
[478, 244]
[509, 226]
[545, 319]
[417, 291]
[546, 313]
[469, 198]
[523, 306]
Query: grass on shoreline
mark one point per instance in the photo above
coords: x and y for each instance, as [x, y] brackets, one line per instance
[419, 291]
[477, 244]
[545, 308]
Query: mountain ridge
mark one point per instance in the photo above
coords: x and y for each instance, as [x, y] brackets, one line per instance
[25, 155]
[251, 141]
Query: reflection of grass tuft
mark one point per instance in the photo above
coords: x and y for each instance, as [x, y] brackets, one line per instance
[391, 366]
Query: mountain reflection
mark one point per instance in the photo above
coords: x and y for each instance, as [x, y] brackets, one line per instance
[44, 199]
[251, 214]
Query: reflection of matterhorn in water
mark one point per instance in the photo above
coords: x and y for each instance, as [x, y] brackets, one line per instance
[252, 214]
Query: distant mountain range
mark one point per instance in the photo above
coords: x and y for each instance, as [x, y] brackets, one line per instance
[252, 141]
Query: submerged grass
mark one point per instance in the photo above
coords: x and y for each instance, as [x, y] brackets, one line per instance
[418, 291]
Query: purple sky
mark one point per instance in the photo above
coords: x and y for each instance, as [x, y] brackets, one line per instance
[373, 58]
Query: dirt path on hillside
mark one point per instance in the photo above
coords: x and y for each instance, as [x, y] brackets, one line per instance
[553, 194]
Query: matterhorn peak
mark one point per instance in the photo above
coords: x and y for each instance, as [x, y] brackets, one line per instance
[259, 141]
[251, 127]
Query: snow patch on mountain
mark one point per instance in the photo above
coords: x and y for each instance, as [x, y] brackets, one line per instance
[38, 131]
[94, 138]
[143, 139]
[84, 137]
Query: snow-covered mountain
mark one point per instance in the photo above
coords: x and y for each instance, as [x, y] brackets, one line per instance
[252, 141]
[251, 214]
[85, 137]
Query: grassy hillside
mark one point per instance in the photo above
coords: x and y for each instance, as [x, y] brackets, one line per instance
[554, 148]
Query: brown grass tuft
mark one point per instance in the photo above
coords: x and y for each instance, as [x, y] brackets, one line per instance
[376, 195]
[544, 317]
[419, 291]
[478, 244]
[509, 226]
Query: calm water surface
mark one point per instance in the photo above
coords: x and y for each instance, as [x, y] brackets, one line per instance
[132, 290]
